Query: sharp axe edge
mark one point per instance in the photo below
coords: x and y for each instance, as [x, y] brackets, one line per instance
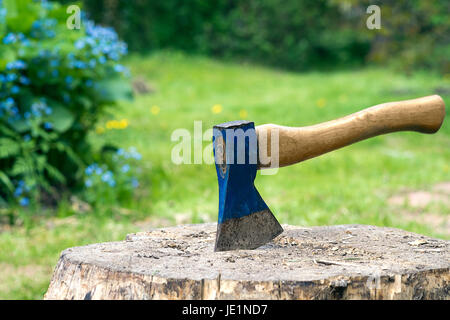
[247, 232]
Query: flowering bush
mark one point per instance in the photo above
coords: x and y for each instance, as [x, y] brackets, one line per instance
[115, 178]
[55, 83]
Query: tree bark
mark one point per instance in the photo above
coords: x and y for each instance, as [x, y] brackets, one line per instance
[330, 262]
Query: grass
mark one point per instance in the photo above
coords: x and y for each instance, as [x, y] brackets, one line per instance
[350, 185]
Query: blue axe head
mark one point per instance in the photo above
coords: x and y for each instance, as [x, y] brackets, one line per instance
[245, 221]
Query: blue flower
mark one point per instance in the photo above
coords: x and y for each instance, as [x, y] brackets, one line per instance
[24, 80]
[18, 64]
[37, 108]
[107, 176]
[43, 28]
[119, 68]
[20, 36]
[69, 80]
[18, 191]
[15, 90]
[79, 44]
[79, 64]
[54, 63]
[102, 59]
[93, 168]
[88, 183]
[125, 168]
[89, 170]
[10, 38]
[114, 56]
[9, 102]
[11, 77]
[24, 201]
[48, 125]
[134, 154]
[134, 183]
[2, 14]
[14, 111]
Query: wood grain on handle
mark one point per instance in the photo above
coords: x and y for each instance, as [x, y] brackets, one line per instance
[298, 144]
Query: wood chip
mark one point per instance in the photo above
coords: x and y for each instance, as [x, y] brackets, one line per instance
[417, 242]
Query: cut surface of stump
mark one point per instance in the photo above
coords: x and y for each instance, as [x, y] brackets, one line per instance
[330, 262]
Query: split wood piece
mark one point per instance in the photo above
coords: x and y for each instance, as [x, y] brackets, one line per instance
[331, 262]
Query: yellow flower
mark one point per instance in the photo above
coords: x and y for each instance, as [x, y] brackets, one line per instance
[321, 102]
[155, 110]
[217, 108]
[111, 124]
[100, 130]
[123, 123]
[116, 124]
[243, 114]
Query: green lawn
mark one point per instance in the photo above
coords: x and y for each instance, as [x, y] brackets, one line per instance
[351, 185]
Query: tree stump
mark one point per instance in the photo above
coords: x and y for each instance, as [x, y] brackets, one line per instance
[332, 262]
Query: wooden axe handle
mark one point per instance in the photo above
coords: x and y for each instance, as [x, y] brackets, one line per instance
[424, 115]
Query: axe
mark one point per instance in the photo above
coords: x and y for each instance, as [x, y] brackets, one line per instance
[240, 149]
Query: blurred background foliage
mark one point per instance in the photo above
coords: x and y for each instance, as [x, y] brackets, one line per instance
[78, 166]
[293, 34]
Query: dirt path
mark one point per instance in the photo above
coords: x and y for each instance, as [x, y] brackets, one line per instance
[431, 207]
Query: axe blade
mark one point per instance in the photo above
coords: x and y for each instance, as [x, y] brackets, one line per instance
[245, 221]
[247, 232]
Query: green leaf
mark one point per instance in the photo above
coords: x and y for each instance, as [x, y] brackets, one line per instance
[6, 55]
[70, 153]
[8, 148]
[85, 102]
[40, 162]
[21, 166]
[61, 118]
[3, 202]
[54, 173]
[7, 131]
[21, 125]
[6, 181]
[2, 30]
[21, 14]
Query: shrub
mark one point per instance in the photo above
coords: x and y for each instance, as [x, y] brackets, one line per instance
[114, 180]
[414, 34]
[295, 34]
[55, 84]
